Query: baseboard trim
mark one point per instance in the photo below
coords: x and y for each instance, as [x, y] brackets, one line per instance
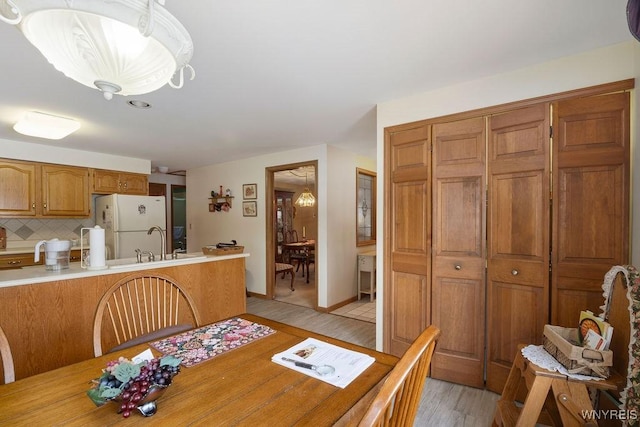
[341, 304]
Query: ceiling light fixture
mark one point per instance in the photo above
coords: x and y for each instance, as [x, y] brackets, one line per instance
[43, 125]
[139, 104]
[306, 199]
[125, 47]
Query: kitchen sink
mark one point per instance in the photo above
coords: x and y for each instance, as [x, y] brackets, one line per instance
[129, 262]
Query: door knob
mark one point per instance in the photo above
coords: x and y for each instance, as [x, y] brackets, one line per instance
[514, 272]
[458, 267]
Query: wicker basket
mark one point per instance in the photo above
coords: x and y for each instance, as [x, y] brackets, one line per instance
[561, 343]
[226, 250]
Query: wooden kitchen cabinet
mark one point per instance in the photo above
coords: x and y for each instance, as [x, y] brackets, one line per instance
[18, 261]
[27, 259]
[65, 191]
[110, 182]
[43, 190]
[17, 188]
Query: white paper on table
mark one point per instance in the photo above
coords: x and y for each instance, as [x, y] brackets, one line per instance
[145, 356]
[348, 364]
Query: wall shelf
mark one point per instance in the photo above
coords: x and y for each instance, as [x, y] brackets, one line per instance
[217, 204]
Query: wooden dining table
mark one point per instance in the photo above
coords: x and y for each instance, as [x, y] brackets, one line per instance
[240, 387]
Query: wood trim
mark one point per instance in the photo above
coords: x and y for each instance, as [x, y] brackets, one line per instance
[605, 88]
[386, 239]
[337, 305]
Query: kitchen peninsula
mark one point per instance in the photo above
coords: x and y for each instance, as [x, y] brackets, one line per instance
[48, 316]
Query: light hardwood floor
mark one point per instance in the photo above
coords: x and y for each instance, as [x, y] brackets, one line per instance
[442, 404]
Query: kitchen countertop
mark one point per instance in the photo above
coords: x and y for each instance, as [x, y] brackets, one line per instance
[38, 274]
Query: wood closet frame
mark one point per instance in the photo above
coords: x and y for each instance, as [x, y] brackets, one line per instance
[501, 220]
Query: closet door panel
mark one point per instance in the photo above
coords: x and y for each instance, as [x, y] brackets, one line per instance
[591, 192]
[517, 236]
[407, 243]
[458, 288]
[409, 297]
[515, 315]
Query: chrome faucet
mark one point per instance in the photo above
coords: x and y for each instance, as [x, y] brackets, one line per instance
[162, 240]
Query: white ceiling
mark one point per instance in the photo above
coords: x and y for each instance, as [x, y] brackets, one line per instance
[303, 175]
[277, 75]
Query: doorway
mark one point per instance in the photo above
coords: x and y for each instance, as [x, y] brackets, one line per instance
[292, 232]
[179, 218]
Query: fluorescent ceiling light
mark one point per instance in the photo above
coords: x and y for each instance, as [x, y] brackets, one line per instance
[125, 47]
[43, 125]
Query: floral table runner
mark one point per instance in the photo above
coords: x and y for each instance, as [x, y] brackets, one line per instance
[209, 341]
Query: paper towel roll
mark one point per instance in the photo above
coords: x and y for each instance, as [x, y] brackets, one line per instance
[96, 247]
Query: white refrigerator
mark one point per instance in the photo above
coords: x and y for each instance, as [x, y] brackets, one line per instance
[127, 220]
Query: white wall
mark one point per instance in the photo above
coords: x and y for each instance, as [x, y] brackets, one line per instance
[66, 156]
[614, 63]
[336, 251]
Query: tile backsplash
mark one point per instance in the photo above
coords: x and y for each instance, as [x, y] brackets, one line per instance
[22, 232]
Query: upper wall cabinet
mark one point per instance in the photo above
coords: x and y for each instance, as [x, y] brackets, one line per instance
[109, 182]
[43, 190]
[17, 188]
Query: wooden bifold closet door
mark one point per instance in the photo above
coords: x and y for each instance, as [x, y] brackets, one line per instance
[591, 200]
[500, 223]
[408, 208]
[517, 236]
[458, 258]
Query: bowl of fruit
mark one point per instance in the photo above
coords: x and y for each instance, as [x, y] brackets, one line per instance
[134, 385]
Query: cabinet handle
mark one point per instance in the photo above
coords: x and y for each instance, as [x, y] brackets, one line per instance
[14, 262]
[45, 206]
[458, 267]
[125, 186]
[514, 272]
[33, 205]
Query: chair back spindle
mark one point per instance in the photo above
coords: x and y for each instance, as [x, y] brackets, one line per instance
[137, 307]
[397, 401]
[7, 359]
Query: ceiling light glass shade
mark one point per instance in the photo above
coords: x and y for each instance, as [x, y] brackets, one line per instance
[47, 126]
[128, 47]
[306, 199]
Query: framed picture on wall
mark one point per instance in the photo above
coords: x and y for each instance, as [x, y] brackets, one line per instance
[249, 208]
[250, 191]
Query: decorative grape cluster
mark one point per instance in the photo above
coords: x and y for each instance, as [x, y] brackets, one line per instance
[129, 383]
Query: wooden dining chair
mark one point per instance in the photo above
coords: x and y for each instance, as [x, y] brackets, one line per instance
[285, 268]
[142, 309]
[397, 401]
[7, 359]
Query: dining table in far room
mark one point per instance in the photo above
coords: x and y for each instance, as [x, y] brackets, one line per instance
[241, 387]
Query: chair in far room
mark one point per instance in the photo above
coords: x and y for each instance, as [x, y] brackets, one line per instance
[141, 309]
[397, 400]
[7, 359]
[284, 269]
